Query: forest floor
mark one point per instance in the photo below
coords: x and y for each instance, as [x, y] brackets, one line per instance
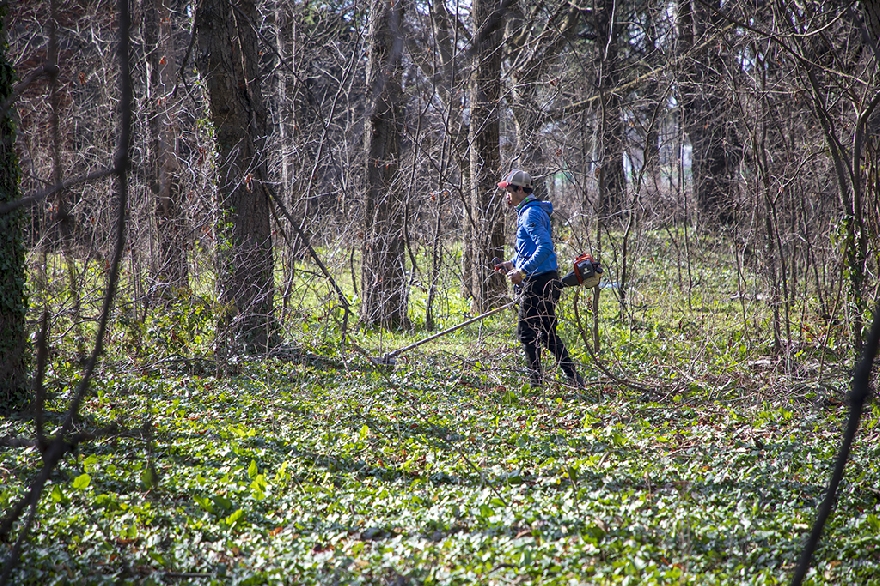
[695, 456]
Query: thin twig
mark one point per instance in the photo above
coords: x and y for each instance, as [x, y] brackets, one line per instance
[71, 442]
[870, 41]
[583, 333]
[860, 392]
[44, 69]
[39, 388]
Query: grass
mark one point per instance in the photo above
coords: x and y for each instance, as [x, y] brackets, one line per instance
[702, 461]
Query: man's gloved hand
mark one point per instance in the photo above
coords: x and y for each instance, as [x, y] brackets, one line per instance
[515, 275]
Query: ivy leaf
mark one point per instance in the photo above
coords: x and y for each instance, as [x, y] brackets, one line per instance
[221, 502]
[258, 487]
[282, 473]
[235, 519]
[149, 479]
[58, 496]
[81, 482]
[205, 503]
[158, 558]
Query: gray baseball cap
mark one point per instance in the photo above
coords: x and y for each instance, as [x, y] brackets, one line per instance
[516, 177]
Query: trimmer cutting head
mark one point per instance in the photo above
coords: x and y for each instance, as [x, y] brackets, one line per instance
[386, 360]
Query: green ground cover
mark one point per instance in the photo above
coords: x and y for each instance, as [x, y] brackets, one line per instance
[320, 468]
[322, 473]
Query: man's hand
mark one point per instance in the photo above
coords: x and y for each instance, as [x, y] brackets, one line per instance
[507, 266]
[515, 276]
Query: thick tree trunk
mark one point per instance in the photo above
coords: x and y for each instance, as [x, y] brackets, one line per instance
[383, 271]
[871, 11]
[486, 210]
[13, 300]
[229, 65]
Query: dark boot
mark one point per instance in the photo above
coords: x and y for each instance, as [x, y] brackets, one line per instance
[533, 358]
[577, 381]
[574, 379]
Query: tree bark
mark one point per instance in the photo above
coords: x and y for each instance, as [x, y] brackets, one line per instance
[228, 63]
[383, 269]
[713, 142]
[485, 205]
[871, 11]
[13, 299]
[609, 143]
[170, 270]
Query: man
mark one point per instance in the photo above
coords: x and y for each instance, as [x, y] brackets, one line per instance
[533, 270]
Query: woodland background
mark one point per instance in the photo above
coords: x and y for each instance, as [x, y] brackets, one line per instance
[193, 185]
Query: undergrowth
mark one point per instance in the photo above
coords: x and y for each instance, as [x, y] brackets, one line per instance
[697, 454]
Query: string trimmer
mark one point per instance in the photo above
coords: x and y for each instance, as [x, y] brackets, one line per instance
[585, 271]
[390, 359]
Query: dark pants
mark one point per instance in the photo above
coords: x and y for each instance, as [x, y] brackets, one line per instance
[537, 325]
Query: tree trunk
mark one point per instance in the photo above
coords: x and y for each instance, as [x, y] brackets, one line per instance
[609, 141]
[712, 141]
[13, 299]
[486, 228]
[383, 268]
[170, 270]
[871, 11]
[228, 64]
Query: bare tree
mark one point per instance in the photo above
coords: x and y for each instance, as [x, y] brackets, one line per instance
[485, 235]
[534, 40]
[229, 65]
[844, 90]
[383, 273]
[712, 137]
[441, 151]
[871, 9]
[608, 142]
[170, 271]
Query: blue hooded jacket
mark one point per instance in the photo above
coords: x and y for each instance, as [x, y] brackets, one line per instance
[534, 253]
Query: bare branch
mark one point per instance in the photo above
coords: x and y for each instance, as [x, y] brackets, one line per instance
[860, 392]
[41, 195]
[46, 69]
[59, 446]
[625, 87]
[869, 40]
[39, 390]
